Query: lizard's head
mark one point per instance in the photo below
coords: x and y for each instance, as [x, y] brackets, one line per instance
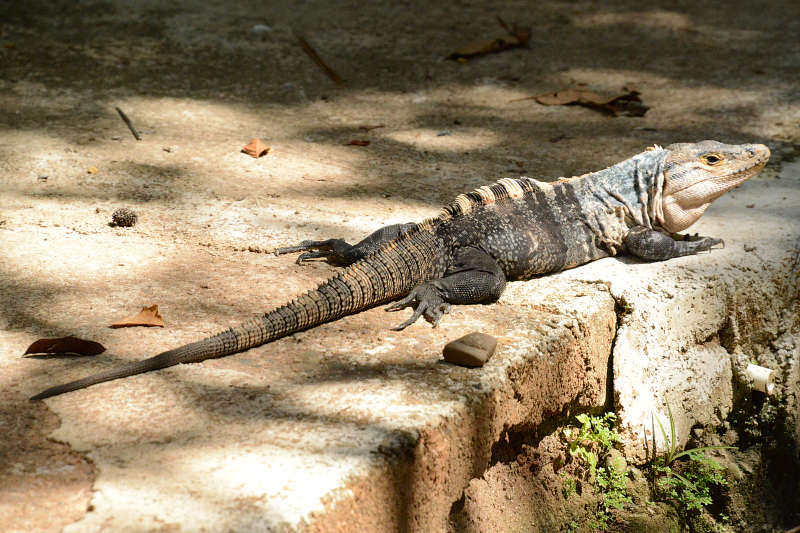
[696, 174]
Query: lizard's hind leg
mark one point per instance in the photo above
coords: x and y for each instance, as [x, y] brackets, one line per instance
[339, 252]
[474, 277]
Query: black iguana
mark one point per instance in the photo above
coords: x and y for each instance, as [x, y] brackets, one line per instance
[513, 229]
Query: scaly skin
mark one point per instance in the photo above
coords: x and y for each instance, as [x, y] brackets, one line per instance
[514, 229]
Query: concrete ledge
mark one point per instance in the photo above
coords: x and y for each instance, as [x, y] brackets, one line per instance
[362, 445]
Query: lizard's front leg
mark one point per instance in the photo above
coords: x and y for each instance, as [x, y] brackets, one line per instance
[652, 245]
[339, 252]
[475, 277]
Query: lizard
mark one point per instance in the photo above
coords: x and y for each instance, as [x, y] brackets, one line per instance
[514, 229]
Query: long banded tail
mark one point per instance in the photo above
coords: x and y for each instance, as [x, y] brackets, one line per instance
[391, 272]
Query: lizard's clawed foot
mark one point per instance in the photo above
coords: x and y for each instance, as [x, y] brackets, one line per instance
[329, 249]
[702, 244]
[428, 303]
[705, 244]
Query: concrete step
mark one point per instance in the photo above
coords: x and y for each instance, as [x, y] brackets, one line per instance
[350, 427]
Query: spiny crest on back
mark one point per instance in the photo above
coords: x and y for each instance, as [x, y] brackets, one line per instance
[488, 194]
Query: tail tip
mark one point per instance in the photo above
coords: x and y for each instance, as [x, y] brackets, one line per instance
[42, 395]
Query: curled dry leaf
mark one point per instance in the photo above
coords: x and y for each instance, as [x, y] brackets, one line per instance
[486, 46]
[570, 96]
[147, 317]
[516, 38]
[256, 148]
[65, 345]
[358, 142]
[628, 103]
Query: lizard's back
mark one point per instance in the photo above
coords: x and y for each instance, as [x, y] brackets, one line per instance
[545, 228]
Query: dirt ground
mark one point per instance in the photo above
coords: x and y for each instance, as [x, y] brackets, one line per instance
[200, 79]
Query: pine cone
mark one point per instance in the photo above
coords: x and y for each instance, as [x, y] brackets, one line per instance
[124, 218]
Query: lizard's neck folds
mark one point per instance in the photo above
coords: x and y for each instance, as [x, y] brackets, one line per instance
[655, 205]
[638, 184]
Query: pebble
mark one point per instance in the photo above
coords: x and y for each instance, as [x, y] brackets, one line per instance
[471, 350]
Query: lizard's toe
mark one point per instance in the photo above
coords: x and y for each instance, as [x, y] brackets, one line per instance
[435, 314]
[417, 313]
[402, 304]
[303, 246]
[706, 243]
[313, 255]
[428, 303]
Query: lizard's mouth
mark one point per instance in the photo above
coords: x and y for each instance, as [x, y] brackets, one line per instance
[729, 182]
[759, 162]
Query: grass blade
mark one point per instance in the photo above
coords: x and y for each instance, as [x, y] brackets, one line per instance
[666, 442]
[674, 442]
[703, 449]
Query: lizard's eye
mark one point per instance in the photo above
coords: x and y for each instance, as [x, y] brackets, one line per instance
[711, 159]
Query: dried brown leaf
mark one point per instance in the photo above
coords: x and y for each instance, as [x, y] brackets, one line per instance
[628, 103]
[65, 345]
[516, 38]
[570, 96]
[147, 317]
[358, 142]
[485, 46]
[256, 148]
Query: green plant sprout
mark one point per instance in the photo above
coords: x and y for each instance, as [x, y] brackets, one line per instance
[592, 442]
[671, 453]
[570, 487]
[594, 437]
[689, 484]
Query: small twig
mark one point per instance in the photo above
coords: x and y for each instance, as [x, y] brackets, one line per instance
[521, 35]
[504, 25]
[129, 123]
[318, 60]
